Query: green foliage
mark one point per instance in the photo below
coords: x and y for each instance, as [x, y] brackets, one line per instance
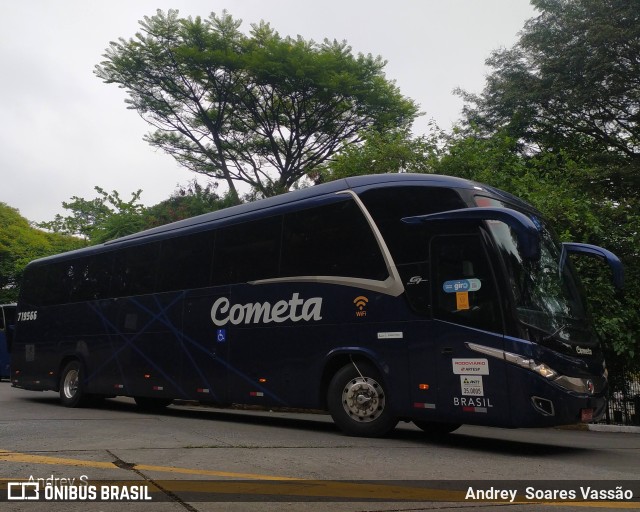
[570, 83]
[558, 123]
[187, 201]
[100, 219]
[562, 189]
[260, 108]
[389, 151]
[19, 244]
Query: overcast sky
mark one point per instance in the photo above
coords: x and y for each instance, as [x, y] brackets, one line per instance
[63, 130]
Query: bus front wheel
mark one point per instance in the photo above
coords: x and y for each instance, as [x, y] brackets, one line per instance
[72, 392]
[358, 401]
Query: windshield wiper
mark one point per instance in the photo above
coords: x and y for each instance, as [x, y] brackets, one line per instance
[555, 333]
[546, 336]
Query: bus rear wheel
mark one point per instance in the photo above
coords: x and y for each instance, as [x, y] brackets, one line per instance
[72, 392]
[358, 402]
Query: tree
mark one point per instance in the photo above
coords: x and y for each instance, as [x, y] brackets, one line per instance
[553, 183]
[100, 219]
[571, 82]
[388, 152]
[559, 124]
[260, 109]
[19, 244]
[187, 201]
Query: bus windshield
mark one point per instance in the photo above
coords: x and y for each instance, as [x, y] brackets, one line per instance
[547, 294]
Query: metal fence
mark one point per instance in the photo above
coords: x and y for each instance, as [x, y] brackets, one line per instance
[624, 400]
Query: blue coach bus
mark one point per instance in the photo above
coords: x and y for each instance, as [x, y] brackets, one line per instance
[7, 321]
[379, 298]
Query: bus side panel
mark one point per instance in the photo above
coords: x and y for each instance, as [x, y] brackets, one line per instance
[141, 354]
[423, 356]
[129, 346]
[205, 348]
[281, 363]
[472, 387]
[34, 361]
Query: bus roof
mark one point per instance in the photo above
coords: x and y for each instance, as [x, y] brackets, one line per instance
[280, 202]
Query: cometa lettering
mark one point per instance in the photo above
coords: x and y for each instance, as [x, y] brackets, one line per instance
[294, 309]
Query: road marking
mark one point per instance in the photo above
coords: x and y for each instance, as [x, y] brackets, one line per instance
[8, 456]
[287, 486]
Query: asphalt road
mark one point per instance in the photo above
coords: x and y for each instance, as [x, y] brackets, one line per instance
[203, 459]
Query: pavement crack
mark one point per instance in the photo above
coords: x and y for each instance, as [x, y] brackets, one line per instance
[131, 466]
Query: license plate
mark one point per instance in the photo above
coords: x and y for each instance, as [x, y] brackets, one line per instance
[586, 415]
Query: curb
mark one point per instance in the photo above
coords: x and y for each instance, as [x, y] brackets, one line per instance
[614, 428]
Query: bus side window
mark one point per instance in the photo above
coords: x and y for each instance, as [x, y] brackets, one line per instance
[134, 270]
[331, 240]
[248, 251]
[185, 262]
[464, 290]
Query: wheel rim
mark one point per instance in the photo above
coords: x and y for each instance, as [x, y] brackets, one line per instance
[70, 384]
[363, 399]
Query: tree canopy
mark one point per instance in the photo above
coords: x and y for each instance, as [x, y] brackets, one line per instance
[103, 218]
[558, 123]
[108, 216]
[19, 244]
[260, 108]
[571, 82]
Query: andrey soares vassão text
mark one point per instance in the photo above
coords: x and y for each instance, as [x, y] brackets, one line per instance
[586, 493]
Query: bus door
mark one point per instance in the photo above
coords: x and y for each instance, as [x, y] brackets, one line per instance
[205, 347]
[466, 306]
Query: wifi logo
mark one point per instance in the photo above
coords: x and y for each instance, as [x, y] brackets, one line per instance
[361, 302]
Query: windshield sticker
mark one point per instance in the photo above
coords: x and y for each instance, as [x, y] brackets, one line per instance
[470, 366]
[462, 300]
[462, 285]
[471, 386]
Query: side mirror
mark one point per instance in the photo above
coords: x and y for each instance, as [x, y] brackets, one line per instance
[598, 252]
[526, 231]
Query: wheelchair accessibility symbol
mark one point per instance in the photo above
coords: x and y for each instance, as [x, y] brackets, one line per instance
[221, 335]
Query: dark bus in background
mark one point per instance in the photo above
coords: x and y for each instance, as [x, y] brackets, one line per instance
[7, 322]
[378, 298]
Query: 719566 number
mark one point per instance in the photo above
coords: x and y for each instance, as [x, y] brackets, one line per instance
[24, 316]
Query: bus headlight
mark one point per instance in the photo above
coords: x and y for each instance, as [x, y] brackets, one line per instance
[576, 384]
[542, 369]
[523, 362]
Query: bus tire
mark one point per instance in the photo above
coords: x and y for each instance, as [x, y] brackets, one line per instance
[72, 385]
[148, 403]
[436, 429]
[357, 401]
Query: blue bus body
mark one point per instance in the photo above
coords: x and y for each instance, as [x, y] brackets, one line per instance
[7, 321]
[380, 298]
